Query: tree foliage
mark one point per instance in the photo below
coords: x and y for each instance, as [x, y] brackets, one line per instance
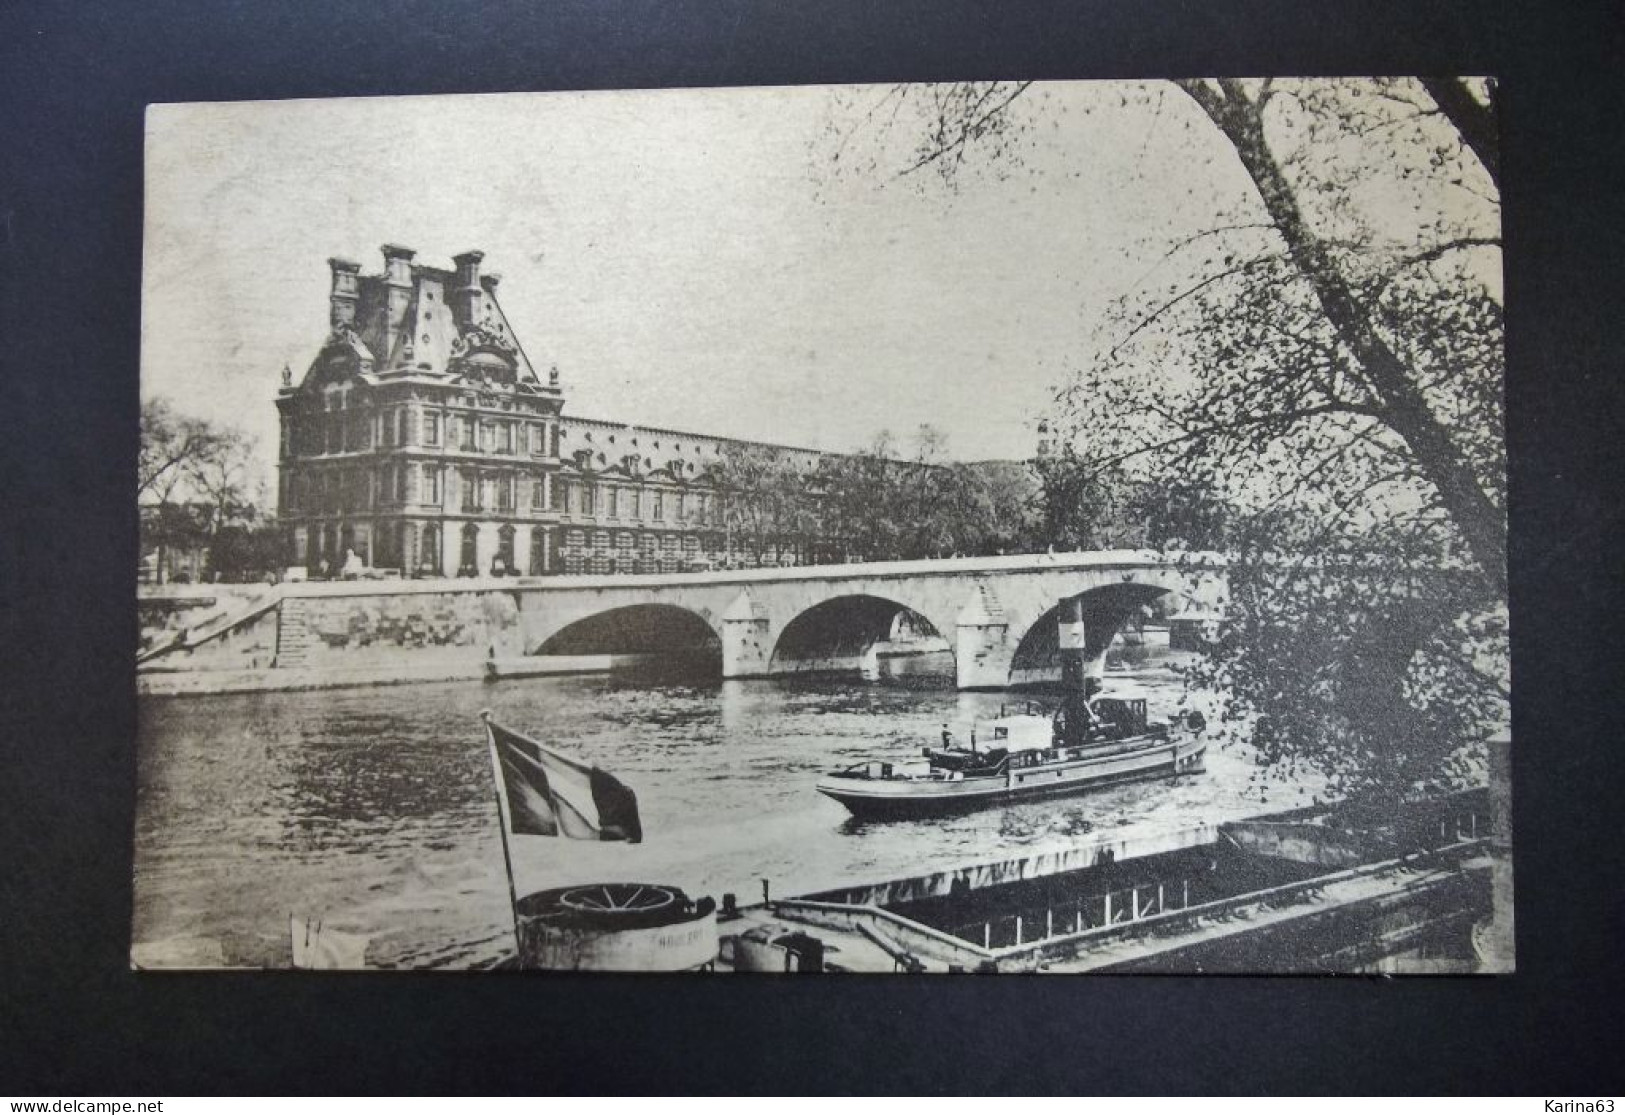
[888, 503]
[196, 495]
[1313, 383]
[884, 502]
[765, 500]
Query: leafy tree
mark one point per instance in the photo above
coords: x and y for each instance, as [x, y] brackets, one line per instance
[1182, 513]
[885, 506]
[765, 500]
[858, 496]
[1317, 386]
[1083, 504]
[245, 548]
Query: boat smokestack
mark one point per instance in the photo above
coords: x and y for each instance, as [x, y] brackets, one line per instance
[1071, 638]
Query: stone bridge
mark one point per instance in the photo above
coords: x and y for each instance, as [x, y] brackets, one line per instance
[1000, 617]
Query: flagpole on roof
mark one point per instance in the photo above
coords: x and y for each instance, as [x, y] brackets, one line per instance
[502, 824]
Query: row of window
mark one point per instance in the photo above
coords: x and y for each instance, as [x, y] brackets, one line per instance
[470, 434]
[335, 491]
[614, 501]
[546, 551]
[356, 431]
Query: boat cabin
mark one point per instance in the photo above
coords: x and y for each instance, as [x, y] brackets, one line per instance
[1120, 717]
[1016, 733]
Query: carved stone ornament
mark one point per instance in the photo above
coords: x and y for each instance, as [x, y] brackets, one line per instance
[477, 338]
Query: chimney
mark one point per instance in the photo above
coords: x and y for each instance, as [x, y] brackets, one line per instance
[397, 264]
[346, 276]
[398, 290]
[468, 290]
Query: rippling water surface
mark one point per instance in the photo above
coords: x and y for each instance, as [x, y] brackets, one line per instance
[372, 809]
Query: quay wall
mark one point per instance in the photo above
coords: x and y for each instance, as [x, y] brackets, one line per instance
[316, 636]
[339, 634]
[391, 629]
[419, 667]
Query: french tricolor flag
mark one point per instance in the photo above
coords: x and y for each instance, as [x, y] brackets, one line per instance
[546, 793]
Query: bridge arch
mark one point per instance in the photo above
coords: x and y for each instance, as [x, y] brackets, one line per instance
[837, 634]
[635, 629]
[1106, 610]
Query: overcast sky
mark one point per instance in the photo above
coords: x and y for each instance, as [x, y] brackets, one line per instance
[686, 258]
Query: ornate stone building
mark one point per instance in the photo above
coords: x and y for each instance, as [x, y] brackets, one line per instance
[422, 439]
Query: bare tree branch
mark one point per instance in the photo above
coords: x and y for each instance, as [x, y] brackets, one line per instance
[1481, 522]
[966, 133]
[1475, 122]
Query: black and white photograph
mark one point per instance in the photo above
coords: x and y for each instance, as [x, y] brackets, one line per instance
[986, 527]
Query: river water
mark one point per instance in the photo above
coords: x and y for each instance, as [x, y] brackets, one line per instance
[372, 809]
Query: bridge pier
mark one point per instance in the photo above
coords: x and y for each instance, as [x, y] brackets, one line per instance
[747, 648]
[982, 649]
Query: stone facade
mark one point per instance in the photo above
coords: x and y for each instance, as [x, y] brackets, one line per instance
[422, 440]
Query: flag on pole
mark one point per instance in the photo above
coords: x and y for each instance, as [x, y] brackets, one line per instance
[548, 793]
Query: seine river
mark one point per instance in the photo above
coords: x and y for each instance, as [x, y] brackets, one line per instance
[372, 809]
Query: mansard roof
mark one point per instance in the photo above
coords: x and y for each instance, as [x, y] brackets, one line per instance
[419, 320]
[660, 453]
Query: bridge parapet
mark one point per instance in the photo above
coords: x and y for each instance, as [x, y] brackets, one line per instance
[1191, 563]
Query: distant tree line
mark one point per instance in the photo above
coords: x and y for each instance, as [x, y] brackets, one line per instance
[884, 502]
[903, 501]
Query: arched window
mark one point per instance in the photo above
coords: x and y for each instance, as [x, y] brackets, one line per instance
[429, 560]
[468, 561]
[503, 565]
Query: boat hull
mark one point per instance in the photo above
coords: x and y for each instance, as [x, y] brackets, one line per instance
[901, 797]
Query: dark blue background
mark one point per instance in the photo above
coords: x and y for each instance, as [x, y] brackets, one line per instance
[73, 1020]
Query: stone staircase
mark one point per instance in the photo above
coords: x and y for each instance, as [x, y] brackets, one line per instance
[292, 633]
[222, 618]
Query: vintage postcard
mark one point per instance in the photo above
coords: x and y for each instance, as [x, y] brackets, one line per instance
[983, 527]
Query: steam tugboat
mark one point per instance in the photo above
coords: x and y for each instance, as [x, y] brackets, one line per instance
[1090, 739]
[1088, 742]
